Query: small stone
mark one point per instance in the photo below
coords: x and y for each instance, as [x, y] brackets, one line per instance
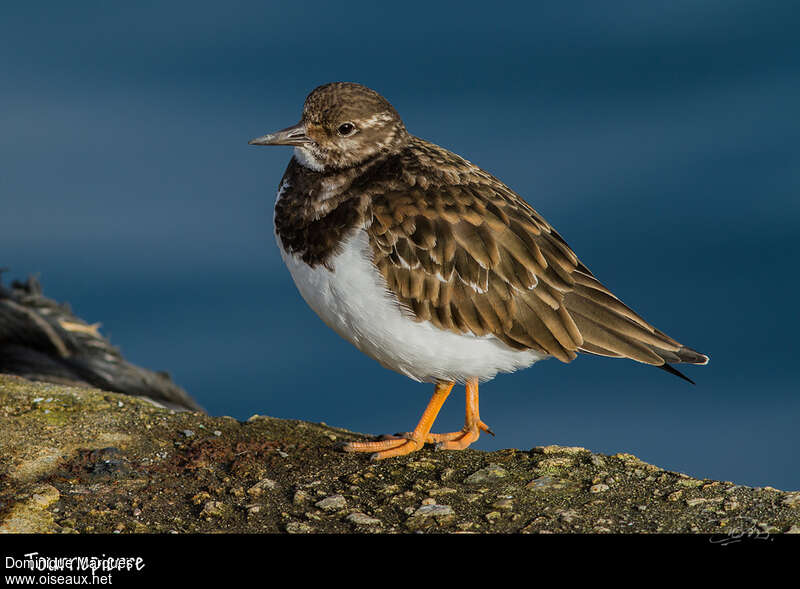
[332, 503]
[200, 497]
[300, 496]
[568, 515]
[465, 526]
[253, 509]
[362, 519]
[551, 483]
[188, 433]
[769, 528]
[696, 501]
[261, 486]
[598, 461]
[504, 504]
[429, 501]
[493, 516]
[489, 474]
[429, 515]
[730, 505]
[217, 433]
[675, 496]
[213, 509]
[553, 449]
[299, 528]
[555, 463]
[44, 496]
[792, 500]
[793, 530]
[688, 483]
[442, 491]
[447, 474]
[599, 488]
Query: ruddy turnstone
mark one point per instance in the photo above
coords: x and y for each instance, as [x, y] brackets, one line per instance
[434, 267]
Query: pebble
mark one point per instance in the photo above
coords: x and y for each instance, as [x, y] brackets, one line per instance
[188, 433]
[332, 503]
[213, 509]
[489, 474]
[568, 515]
[793, 530]
[553, 449]
[263, 485]
[792, 500]
[504, 504]
[201, 497]
[599, 488]
[493, 516]
[549, 483]
[555, 463]
[695, 501]
[362, 519]
[429, 514]
[442, 491]
[299, 528]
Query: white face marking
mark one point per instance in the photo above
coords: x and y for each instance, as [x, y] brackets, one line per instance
[381, 117]
[354, 302]
[306, 159]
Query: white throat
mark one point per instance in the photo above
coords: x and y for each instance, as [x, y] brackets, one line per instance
[307, 159]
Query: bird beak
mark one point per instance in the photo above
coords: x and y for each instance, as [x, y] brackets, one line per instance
[295, 135]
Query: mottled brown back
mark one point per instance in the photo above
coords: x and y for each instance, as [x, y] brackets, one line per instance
[461, 250]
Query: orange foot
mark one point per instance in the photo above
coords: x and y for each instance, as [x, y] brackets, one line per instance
[411, 441]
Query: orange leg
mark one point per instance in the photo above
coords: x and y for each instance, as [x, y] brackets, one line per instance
[408, 442]
[397, 446]
[473, 426]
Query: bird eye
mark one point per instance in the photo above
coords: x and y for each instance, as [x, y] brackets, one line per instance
[346, 129]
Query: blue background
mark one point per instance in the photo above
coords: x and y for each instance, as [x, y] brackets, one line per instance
[661, 139]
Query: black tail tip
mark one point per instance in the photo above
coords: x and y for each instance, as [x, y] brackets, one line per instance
[678, 373]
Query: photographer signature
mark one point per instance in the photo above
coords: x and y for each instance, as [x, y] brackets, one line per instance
[741, 528]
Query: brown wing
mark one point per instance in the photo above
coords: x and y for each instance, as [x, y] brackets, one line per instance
[469, 255]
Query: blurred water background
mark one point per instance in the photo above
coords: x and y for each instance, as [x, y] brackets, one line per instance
[662, 139]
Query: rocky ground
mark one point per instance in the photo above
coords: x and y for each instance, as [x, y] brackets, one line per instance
[77, 460]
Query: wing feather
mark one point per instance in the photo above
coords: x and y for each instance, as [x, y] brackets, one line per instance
[469, 255]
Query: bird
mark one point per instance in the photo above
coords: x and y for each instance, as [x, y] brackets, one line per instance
[42, 340]
[432, 266]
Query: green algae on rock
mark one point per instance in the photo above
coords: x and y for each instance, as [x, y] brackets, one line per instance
[78, 460]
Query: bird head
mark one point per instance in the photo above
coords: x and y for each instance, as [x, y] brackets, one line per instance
[343, 125]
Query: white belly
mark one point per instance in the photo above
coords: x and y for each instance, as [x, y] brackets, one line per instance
[354, 302]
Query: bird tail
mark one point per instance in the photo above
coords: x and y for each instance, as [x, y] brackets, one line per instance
[610, 328]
